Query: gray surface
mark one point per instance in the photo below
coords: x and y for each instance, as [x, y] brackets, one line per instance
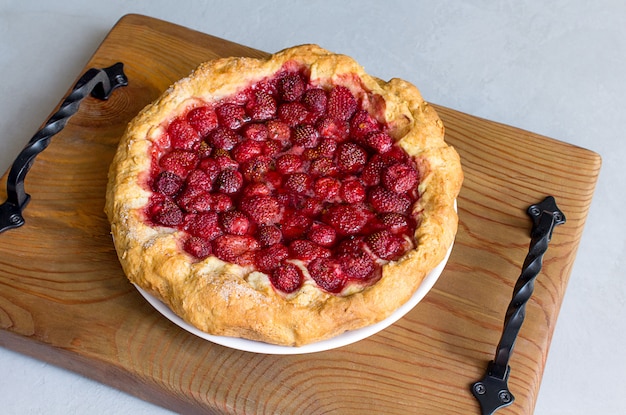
[555, 68]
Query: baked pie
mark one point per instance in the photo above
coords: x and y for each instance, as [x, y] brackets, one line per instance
[283, 200]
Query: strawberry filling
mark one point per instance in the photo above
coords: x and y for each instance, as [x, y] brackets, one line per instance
[294, 180]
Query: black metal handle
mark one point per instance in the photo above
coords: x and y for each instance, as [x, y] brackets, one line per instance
[492, 391]
[100, 83]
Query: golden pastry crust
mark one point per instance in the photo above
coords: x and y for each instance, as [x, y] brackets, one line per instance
[226, 299]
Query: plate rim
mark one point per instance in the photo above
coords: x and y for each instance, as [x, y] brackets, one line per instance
[343, 339]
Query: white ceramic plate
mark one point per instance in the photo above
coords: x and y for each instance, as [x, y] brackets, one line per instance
[335, 342]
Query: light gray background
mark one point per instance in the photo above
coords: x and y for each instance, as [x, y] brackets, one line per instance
[555, 68]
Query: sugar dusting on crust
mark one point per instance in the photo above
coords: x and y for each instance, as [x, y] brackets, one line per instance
[231, 289]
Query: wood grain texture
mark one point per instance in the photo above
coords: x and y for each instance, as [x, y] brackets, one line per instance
[64, 299]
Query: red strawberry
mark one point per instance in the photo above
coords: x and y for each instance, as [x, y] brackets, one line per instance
[269, 235]
[271, 148]
[267, 259]
[231, 116]
[235, 248]
[256, 189]
[323, 166]
[351, 245]
[400, 178]
[327, 147]
[268, 85]
[288, 200]
[210, 167]
[246, 150]
[311, 207]
[288, 163]
[372, 171]
[186, 197]
[167, 183]
[322, 235]
[264, 210]
[221, 202]
[163, 211]
[357, 266]
[396, 222]
[341, 103]
[363, 124]
[234, 222]
[229, 181]
[262, 107]
[306, 250]
[395, 155]
[179, 162]
[292, 113]
[380, 142]
[291, 87]
[204, 225]
[328, 274]
[305, 135]
[346, 219]
[256, 132]
[338, 130]
[246, 259]
[203, 120]
[241, 97]
[256, 169]
[181, 134]
[224, 160]
[197, 247]
[200, 203]
[327, 188]
[353, 191]
[310, 154]
[386, 245]
[223, 138]
[287, 278]
[278, 130]
[315, 100]
[384, 200]
[199, 181]
[295, 225]
[351, 157]
[299, 183]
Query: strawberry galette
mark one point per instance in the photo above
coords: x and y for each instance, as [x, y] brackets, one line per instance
[284, 200]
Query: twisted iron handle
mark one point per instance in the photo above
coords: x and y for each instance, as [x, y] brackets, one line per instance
[100, 83]
[492, 391]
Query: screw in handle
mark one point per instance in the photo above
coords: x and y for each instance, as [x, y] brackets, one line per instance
[492, 391]
[99, 83]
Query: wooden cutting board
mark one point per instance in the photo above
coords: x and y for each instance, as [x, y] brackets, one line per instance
[64, 299]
